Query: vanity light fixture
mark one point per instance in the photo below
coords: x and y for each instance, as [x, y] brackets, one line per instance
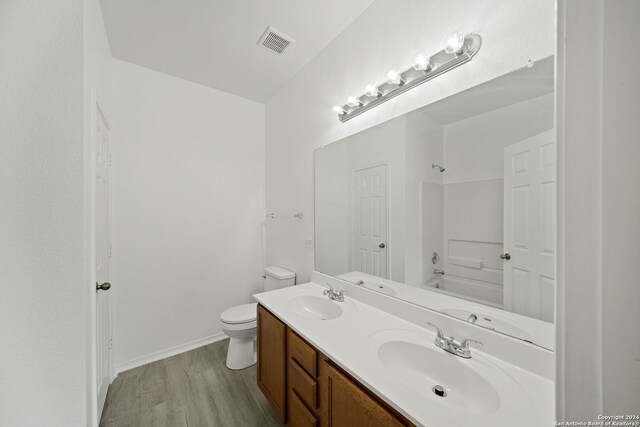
[458, 49]
[421, 62]
[394, 77]
[353, 101]
[371, 90]
[339, 110]
[454, 42]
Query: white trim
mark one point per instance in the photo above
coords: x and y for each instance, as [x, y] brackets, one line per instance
[579, 118]
[171, 351]
[90, 250]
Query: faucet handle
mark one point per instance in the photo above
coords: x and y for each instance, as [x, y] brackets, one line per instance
[465, 343]
[438, 330]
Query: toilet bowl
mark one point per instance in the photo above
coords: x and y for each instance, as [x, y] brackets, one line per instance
[240, 324]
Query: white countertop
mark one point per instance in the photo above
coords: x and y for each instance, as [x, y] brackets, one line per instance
[347, 340]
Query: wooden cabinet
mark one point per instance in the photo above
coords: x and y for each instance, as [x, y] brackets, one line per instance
[299, 415]
[346, 403]
[307, 389]
[302, 381]
[272, 367]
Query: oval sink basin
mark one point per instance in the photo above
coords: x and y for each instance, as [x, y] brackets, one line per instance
[318, 307]
[491, 322]
[421, 368]
[473, 386]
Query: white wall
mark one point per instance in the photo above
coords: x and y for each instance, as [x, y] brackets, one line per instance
[602, 183]
[423, 148]
[388, 33]
[332, 192]
[188, 204]
[599, 210]
[579, 128]
[431, 230]
[42, 287]
[621, 210]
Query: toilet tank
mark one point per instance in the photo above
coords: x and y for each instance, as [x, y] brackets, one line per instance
[276, 277]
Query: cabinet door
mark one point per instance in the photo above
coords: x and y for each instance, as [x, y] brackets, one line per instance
[272, 360]
[299, 415]
[344, 403]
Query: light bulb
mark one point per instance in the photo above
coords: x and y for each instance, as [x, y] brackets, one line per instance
[421, 62]
[352, 101]
[454, 42]
[337, 109]
[371, 90]
[394, 77]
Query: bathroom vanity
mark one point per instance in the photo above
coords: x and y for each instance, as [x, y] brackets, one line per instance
[306, 388]
[358, 362]
[437, 224]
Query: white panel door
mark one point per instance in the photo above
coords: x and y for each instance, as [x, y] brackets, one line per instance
[369, 221]
[103, 258]
[529, 226]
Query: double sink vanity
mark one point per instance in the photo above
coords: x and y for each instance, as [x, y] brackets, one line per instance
[331, 353]
[436, 224]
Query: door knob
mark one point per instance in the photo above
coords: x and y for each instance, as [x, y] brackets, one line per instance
[382, 246]
[104, 287]
[505, 256]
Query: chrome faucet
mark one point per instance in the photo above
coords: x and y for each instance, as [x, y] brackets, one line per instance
[333, 294]
[472, 318]
[449, 344]
[438, 272]
[359, 283]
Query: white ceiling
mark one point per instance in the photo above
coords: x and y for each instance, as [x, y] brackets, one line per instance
[518, 86]
[213, 42]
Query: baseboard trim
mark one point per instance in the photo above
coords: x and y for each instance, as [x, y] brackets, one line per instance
[172, 351]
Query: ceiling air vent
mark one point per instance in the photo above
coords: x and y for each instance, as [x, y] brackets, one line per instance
[275, 41]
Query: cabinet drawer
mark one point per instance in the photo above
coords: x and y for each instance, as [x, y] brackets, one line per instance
[303, 385]
[303, 353]
[299, 415]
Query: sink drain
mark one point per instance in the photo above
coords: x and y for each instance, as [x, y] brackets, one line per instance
[438, 390]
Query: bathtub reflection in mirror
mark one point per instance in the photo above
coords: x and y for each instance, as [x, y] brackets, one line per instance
[451, 206]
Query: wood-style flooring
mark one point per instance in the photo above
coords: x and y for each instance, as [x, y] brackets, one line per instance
[190, 389]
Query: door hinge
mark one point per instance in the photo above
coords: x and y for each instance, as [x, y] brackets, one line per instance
[110, 251]
[110, 343]
[109, 160]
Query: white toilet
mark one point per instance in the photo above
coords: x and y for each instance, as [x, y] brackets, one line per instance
[240, 324]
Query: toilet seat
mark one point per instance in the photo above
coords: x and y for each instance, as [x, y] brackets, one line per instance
[237, 328]
[240, 315]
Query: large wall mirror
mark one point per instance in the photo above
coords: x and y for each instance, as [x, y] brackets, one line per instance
[451, 206]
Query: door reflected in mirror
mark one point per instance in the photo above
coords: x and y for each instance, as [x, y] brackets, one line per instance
[451, 206]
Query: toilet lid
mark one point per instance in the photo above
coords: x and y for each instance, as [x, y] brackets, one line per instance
[240, 313]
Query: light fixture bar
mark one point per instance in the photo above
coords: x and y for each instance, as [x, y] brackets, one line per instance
[440, 63]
